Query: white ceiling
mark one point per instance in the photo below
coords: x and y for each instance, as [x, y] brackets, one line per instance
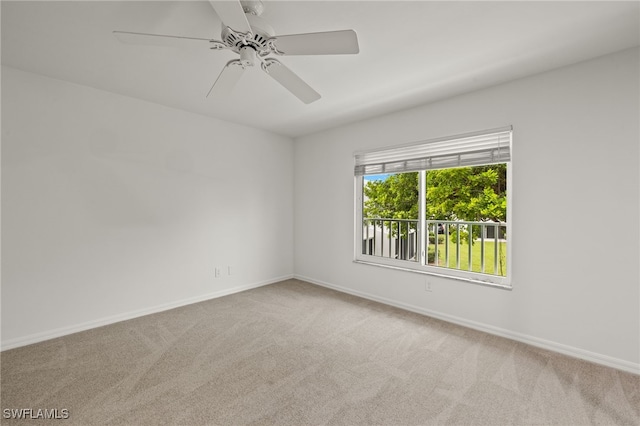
[410, 52]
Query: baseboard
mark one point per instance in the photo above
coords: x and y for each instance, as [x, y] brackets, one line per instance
[63, 331]
[597, 358]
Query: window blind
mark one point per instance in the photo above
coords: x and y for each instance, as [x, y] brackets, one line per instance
[471, 149]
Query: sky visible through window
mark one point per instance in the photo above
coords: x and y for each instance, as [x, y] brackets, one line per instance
[368, 178]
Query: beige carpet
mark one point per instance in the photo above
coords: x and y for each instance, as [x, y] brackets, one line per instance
[295, 354]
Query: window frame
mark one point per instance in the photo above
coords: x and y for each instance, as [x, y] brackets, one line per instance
[421, 266]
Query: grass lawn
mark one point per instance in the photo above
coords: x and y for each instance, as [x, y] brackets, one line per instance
[476, 257]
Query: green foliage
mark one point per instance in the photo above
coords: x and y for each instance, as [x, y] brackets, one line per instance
[432, 238]
[464, 235]
[468, 193]
[395, 197]
[464, 193]
[431, 255]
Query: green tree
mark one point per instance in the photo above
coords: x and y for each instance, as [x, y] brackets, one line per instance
[396, 197]
[464, 193]
[468, 193]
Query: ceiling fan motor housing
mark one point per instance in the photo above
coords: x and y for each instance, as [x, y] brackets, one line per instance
[262, 32]
[247, 56]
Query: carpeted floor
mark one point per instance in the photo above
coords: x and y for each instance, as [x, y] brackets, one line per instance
[293, 353]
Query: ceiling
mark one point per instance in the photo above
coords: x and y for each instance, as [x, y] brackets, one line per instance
[410, 52]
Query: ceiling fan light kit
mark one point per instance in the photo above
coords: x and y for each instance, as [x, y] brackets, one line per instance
[253, 39]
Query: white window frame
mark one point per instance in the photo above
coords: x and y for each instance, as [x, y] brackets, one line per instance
[407, 154]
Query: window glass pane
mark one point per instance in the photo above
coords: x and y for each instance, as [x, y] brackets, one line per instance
[390, 216]
[466, 213]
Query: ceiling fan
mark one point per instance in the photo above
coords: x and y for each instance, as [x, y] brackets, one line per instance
[247, 34]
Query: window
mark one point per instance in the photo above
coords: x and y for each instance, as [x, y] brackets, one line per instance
[437, 207]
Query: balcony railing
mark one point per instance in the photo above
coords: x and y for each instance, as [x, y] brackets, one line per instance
[473, 246]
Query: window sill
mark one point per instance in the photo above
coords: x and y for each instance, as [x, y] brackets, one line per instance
[436, 274]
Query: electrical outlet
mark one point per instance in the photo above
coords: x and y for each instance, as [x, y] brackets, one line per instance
[216, 272]
[229, 270]
[427, 286]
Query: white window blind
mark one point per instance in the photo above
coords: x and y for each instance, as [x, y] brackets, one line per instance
[471, 149]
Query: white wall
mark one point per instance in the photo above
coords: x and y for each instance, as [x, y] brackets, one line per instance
[575, 165]
[113, 207]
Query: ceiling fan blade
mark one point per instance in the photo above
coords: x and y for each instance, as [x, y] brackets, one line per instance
[227, 79]
[290, 81]
[163, 40]
[326, 43]
[232, 15]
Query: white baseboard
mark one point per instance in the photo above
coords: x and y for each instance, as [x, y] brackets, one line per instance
[63, 331]
[597, 358]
